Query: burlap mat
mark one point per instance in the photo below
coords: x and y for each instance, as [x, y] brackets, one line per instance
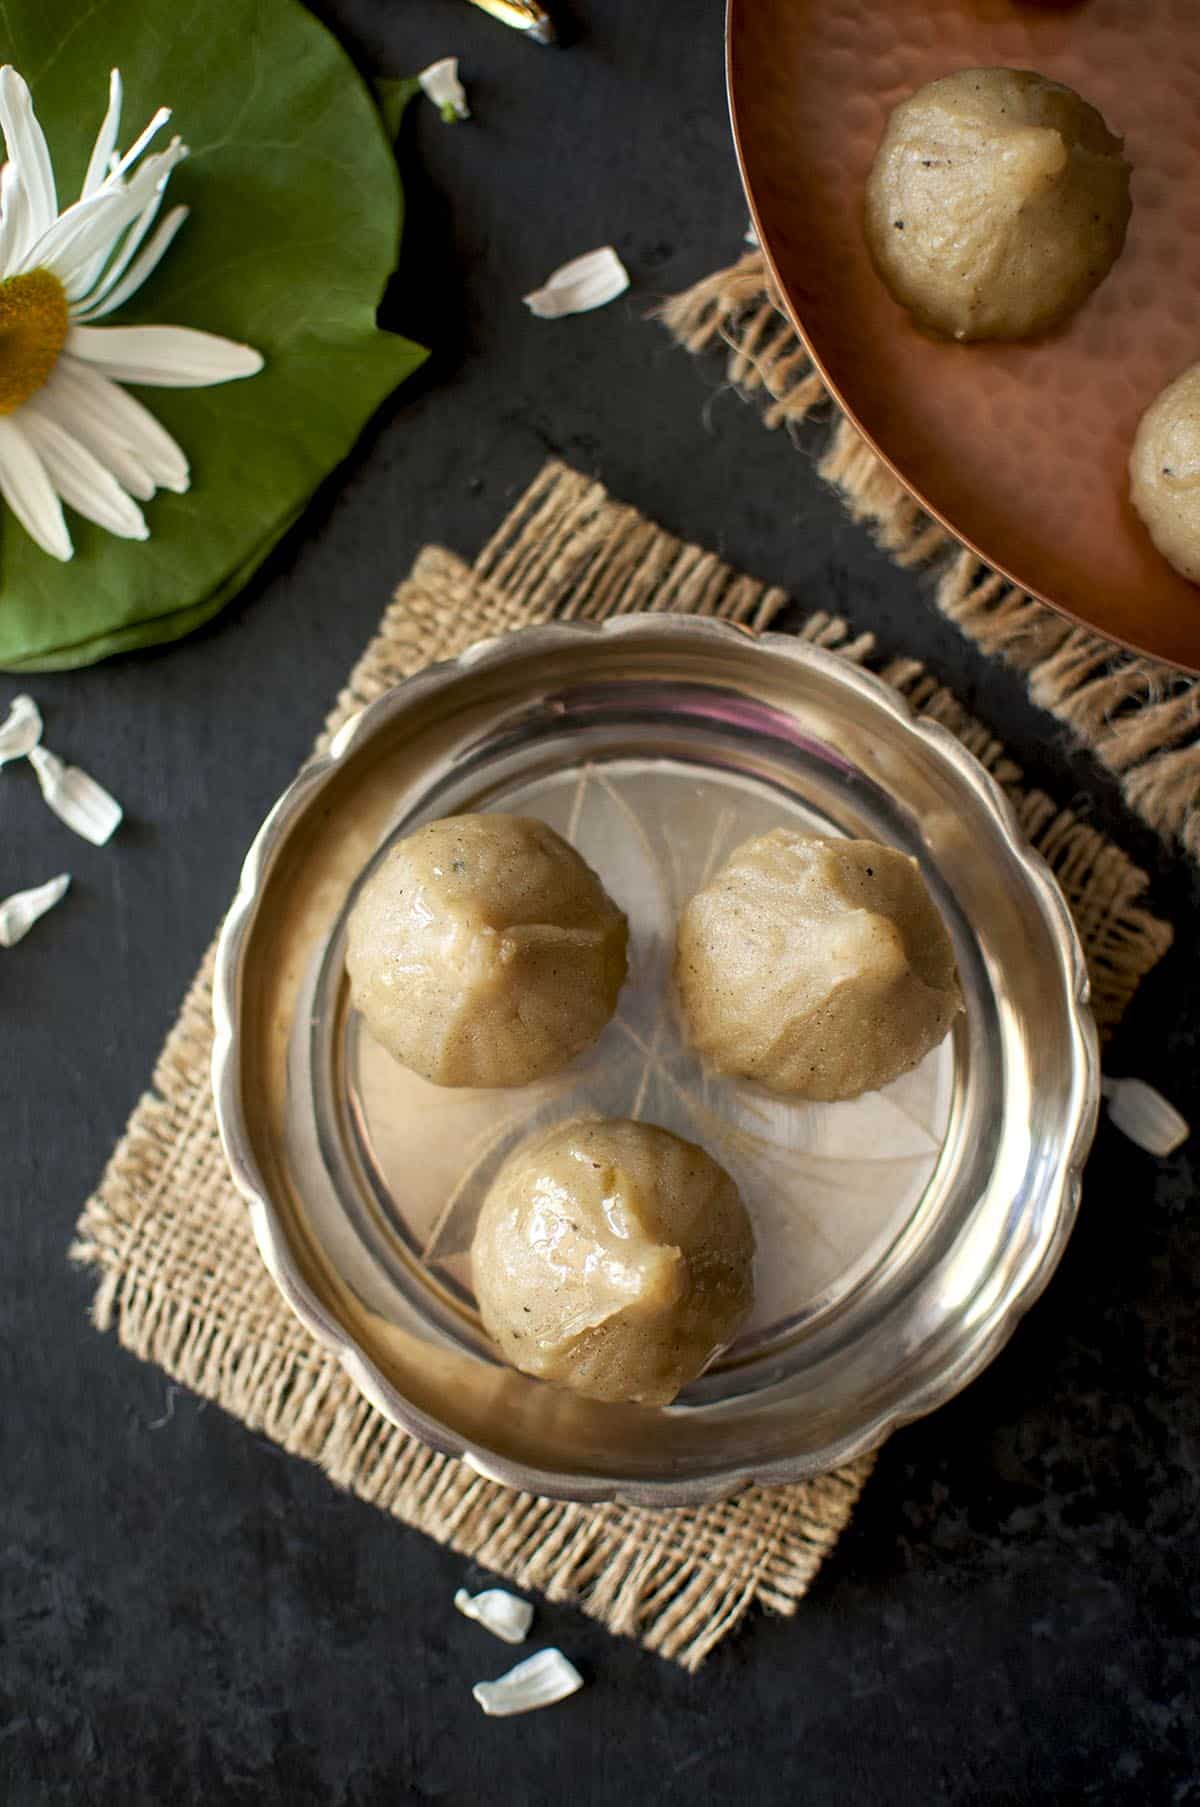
[1139, 718]
[179, 1276]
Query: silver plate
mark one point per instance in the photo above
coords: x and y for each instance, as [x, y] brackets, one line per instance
[900, 1236]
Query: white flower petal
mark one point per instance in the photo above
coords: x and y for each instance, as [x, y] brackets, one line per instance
[21, 729]
[114, 416]
[155, 170]
[84, 230]
[144, 195]
[83, 236]
[81, 439]
[537, 1682]
[99, 439]
[14, 218]
[148, 132]
[1145, 1116]
[76, 799]
[441, 85]
[106, 270]
[27, 149]
[139, 271]
[586, 282]
[29, 493]
[505, 1615]
[19, 912]
[97, 435]
[81, 480]
[169, 357]
[106, 138]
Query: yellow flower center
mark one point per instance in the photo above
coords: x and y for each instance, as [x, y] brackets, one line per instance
[33, 329]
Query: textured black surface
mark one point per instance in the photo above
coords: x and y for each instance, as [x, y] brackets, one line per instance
[188, 1616]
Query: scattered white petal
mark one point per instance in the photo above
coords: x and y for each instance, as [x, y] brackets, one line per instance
[1145, 1116]
[537, 1682]
[29, 492]
[586, 282]
[170, 357]
[19, 912]
[498, 1611]
[76, 799]
[21, 729]
[441, 85]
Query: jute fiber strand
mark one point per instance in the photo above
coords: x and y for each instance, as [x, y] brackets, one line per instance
[179, 1277]
[1139, 718]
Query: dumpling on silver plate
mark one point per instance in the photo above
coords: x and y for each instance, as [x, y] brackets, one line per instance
[613, 1258]
[819, 968]
[484, 951]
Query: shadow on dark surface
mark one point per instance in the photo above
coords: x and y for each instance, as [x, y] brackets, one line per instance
[424, 298]
[569, 25]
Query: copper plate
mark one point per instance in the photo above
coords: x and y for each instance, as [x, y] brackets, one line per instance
[1020, 450]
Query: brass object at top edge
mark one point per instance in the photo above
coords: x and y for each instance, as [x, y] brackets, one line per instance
[523, 15]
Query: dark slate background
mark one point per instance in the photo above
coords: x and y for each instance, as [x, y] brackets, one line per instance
[186, 1615]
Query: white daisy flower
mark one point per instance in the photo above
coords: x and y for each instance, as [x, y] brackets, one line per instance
[68, 432]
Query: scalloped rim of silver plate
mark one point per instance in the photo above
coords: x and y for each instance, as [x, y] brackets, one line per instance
[969, 1359]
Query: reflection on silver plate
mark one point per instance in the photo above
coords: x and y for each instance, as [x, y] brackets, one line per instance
[899, 1236]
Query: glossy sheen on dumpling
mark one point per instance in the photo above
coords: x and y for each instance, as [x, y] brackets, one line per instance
[1164, 472]
[613, 1258]
[819, 968]
[997, 202]
[485, 952]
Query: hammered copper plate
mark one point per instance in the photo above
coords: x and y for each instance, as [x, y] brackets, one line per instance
[1020, 450]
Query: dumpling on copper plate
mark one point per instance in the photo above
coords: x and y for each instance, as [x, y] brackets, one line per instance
[996, 203]
[1164, 472]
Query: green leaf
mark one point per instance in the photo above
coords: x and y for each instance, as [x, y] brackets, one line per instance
[171, 626]
[394, 97]
[295, 219]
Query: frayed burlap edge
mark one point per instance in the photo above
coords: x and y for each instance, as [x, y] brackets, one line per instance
[180, 1279]
[1139, 718]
